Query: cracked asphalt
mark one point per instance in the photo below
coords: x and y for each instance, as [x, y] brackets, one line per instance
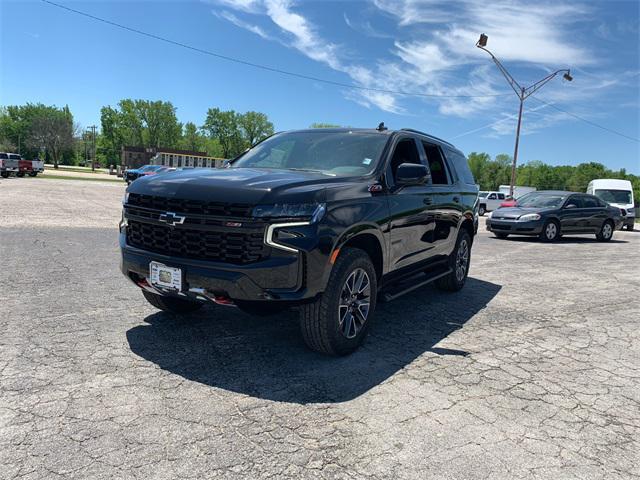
[531, 372]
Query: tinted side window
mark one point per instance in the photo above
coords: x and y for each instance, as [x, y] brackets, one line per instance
[589, 202]
[4, 155]
[492, 196]
[405, 152]
[461, 166]
[501, 196]
[437, 165]
[574, 200]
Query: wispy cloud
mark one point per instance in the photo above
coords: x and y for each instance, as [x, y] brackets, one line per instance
[433, 51]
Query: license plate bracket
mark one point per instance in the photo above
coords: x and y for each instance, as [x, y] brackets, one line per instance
[165, 277]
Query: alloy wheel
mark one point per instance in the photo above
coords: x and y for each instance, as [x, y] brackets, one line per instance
[607, 231]
[355, 299]
[551, 231]
[462, 260]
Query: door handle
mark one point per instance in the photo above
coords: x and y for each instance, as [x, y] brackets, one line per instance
[456, 199]
[427, 200]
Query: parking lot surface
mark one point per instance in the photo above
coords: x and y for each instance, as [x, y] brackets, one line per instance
[531, 371]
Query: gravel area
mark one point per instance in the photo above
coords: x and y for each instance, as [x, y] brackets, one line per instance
[532, 371]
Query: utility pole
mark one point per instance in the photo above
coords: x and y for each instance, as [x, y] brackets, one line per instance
[523, 93]
[93, 144]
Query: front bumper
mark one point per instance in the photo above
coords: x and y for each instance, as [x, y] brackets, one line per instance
[281, 277]
[514, 227]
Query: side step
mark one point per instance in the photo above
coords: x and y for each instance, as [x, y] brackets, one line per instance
[412, 283]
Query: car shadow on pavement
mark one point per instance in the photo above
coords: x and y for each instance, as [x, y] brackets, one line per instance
[566, 240]
[265, 357]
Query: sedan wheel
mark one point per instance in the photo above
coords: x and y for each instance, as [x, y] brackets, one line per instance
[606, 232]
[550, 231]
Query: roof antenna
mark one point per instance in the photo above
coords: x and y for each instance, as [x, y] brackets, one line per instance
[381, 127]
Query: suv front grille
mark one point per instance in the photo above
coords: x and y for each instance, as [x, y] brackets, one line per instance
[215, 245]
[197, 207]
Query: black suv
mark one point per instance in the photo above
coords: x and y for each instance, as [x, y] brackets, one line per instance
[328, 220]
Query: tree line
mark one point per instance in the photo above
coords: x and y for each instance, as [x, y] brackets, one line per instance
[50, 132]
[491, 173]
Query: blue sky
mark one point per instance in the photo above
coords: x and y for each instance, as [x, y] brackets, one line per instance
[427, 46]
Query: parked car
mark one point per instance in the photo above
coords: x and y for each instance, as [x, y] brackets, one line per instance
[617, 193]
[551, 214]
[328, 220]
[131, 174]
[8, 164]
[37, 166]
[509, 202]
[489, 201]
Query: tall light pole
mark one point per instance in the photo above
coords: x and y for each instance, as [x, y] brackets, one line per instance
[523, 93]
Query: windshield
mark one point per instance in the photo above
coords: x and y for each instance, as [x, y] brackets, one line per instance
[345, 153]
[614, 196]
[540, 200]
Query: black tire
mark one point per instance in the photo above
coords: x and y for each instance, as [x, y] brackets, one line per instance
[550, 231]
[606, 231]
[171, 304]
[459, 264]
[33, 174]
[4, 174]
[482, 210]
[630, 227]
[501, 235]
[325, 328]
[260, 309]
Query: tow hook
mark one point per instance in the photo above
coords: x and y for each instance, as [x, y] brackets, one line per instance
[218, 299]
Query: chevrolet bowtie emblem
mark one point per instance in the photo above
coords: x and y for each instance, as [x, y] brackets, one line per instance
[171, 218]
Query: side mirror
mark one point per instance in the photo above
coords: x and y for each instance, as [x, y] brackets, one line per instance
[411, 174]
[571, 205]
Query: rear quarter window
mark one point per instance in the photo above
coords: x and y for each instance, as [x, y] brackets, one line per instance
[461, 166]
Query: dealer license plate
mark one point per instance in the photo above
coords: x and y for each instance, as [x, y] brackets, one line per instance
[165, 277]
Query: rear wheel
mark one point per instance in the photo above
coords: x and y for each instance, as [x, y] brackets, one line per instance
[459, 261]
[4, 174]
[606, 231]
[550, 231]
[171, 304]
[337, 322]
[33, 174]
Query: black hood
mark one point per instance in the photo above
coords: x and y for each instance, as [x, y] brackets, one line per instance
[238, 185]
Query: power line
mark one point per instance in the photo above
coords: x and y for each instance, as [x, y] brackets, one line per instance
[261, 66]
[594, 124]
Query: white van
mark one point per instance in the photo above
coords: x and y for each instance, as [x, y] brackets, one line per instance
[617, 193]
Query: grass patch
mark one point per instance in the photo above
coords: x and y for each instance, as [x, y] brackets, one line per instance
[64, 177]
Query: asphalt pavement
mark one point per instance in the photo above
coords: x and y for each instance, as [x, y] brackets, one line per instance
[532, 371]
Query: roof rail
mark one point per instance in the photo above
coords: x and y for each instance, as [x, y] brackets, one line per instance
[413, 130]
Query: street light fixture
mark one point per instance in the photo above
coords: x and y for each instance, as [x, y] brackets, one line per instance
[523, 93]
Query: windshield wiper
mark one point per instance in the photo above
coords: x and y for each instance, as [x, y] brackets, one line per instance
[311, 170]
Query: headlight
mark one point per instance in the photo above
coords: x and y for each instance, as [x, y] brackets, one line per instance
[530, 217]
[291, 210]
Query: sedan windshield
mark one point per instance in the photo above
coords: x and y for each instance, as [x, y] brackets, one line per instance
[614, 196]
[345, 153]
[540, 200]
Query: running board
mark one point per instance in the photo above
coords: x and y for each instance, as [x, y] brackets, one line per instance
[392, 294]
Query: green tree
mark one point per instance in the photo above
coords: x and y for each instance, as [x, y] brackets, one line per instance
[192, 139]
[255, 127]
[224, 126]
[477, 165]
[52, 131]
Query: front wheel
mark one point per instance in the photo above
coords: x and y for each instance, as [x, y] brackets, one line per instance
[459, 262]
[171, 304]
[337, 322]
[550, 231]
[606, 232]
